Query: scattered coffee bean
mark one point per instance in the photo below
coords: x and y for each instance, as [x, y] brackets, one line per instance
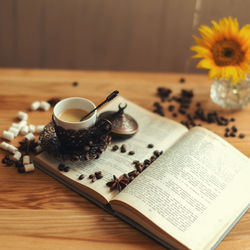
[131, 152]
[163, 93]
[93, 179]
[241, 136]
[81, 177]
[75, 84]
[171, 108]
[66, 169]
[234, 129]
[91, 176]
[182, 111]
[232, 119]
[123, 148]
[147, 162]
[174, 115]
[61, 167]
[98, 175]
[53, 101]
[21, 170]
[158, 109]
[150, 145]
[227, 129]
[157, 153]
[115, 147]
[182, 80]
[139, 168]
[136, 162]
[232, 134]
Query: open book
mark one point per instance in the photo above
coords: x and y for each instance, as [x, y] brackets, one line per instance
[189, 198]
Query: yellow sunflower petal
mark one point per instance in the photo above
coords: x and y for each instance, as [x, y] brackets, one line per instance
[201, 51]
[214, 73]
[206, 64]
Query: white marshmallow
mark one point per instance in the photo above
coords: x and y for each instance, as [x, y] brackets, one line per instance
[17, 155]
[45, 106]
[4, 145]
[22, 123]
[15, 125]
[32, 128]
[8, 135]
[26, 159]
[12, 149]
[14, 130]
[24, 130]
[29, 136]
[39, 128]
[38, 149]
[22, 115]
[35, 105]
[29, 167]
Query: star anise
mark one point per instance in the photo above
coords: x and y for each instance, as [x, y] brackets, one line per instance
[27, 146]
[118, 183]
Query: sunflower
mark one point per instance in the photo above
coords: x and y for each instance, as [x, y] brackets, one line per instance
[225, 49]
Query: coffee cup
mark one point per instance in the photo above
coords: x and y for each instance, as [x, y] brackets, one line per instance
[67, 108]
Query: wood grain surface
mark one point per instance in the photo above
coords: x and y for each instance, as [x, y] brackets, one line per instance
[37, 212]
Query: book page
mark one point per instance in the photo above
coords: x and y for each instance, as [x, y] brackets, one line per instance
[153, 129]
[194, 191]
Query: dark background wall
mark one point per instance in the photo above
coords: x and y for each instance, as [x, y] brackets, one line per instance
[137, 35]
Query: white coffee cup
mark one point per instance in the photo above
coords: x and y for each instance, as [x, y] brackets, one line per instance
[75, 103]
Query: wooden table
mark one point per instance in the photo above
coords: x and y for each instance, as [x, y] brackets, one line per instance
[37, 212]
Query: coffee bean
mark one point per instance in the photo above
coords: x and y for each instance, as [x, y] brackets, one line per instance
[75, 84]
[182, 80]
[66, 169]
[147, 162]
[93, 179]
[156, 153]
[98, 175]
[174, 115]
[115, 147]
[131, 152]
[152, 158]
[150, 145]
[171, 108]
[136, 162]
[232, 134]
[232, 119]
[123, 148]
[4, 160]
[21, 170]
[227, 129]
[139, 168]
[234, 129]
[81, 177]
[182, 111]
[91, 176]
[61, 167]
[241, 136]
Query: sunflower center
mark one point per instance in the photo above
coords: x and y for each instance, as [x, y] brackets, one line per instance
[227, 52]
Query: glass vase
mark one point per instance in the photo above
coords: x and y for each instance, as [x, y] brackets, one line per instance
[229, 95]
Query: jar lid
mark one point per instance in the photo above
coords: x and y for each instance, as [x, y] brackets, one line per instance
[122, 123]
